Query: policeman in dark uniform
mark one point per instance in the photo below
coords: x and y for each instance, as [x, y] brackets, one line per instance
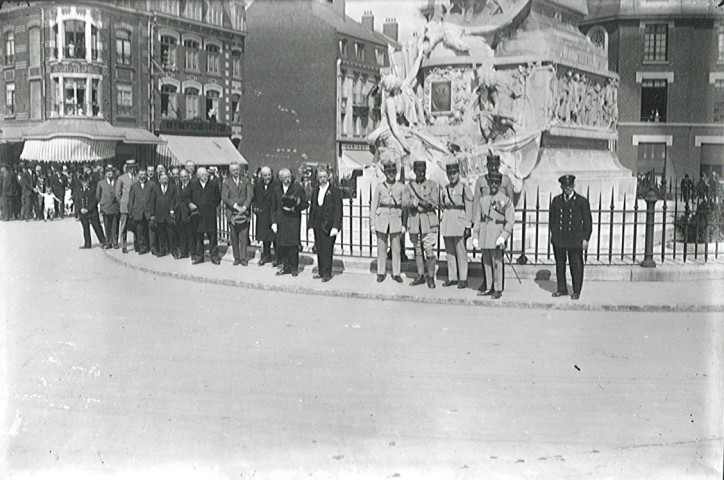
[569, 222]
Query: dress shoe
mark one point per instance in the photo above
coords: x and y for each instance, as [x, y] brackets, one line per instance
[381, 278]
[497, 294]
[83, 247]
[430, 282]
[236, 262]
[244, 263]
[182, 256]
[106, 247]
[326, 279]
[295, 274]
[463, 284]
[124, 250]
[317, 277]
[418, 281]
[483, 287]
[397, 278]
[486, 293]
[276, 264]
[175, 256]
[575, 296]
[262, 262]
[216, 261]
[283, 272]
[116, 247]
[559, 294]
[162, 254]
[449, 283]
[142, 252]
[196, 261]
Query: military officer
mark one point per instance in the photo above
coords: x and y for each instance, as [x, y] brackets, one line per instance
[492, 228]
[569, 222]
[386, 221]
[421, 200]
[456, 202]
[481, 188]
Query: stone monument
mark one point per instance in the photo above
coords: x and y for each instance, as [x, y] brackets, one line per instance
[510, 77]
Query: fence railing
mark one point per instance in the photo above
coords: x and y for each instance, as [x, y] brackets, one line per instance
[683, 231]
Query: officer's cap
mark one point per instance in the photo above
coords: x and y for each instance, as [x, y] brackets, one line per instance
[452, 167]
[389, 166]
[566, 180]
[419, 164]
[494, 177]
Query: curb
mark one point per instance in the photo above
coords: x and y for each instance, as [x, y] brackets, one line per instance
[472, 302]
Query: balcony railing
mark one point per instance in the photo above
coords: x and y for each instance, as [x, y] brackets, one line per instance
[74, 52]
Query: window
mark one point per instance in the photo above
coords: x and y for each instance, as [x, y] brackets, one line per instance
[216, 13]
[95, 103]
[168, 51]
[10, 99]
[212, 58]
[719, 101]
[192, 54]
[720, 42]
[236, 63]
[192, 103]
[653, 100]
[651, 161]
[169, 6]
[124, 100]
[380, 56]
[343, 48]
[169, 104]
[74, 96]
[655, 42]
[123, 47]
[74, 39]
[236, 108]
[239, 17]
[9, 48]
[34, 46]
[36, 100]
[212, 105]
[95, 43]
[192, 10]
[359, 51]
[343, 123]
[357, 125]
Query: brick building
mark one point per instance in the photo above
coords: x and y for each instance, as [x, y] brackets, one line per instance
[670, 58]
[310, 69]
[78, 76]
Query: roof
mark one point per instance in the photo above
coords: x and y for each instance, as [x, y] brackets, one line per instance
[634, 9]
[200, 150]
[74, 128]
[348, 26]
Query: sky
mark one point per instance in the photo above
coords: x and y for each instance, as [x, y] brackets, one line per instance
[407, 13]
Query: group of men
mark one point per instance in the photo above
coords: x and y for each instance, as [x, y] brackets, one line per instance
[27, 194]
[487, 215]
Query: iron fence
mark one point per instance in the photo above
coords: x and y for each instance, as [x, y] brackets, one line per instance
[683, 231]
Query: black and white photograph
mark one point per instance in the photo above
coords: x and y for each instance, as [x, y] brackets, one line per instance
[361, 239]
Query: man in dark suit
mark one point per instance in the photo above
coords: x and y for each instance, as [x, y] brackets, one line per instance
[25, 179]
[58, 184]
[87, 211]
[237, 194]
[205, 199]
[110, 207]
[570, 224]
[263, 207]
[184, 230]
[164, 201]
[139, 207]
[8, 183]
[287, 221]
[325, 218]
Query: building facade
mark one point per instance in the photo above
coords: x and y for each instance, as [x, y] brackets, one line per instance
[670, 58]
[324, 65]
[130, 63]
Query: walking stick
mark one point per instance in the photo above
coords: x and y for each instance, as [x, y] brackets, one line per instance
[510, 261]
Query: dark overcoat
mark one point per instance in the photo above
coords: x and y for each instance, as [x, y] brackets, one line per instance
[289, 224]
[207, 199]
[139, 200]
[570, 221]
[163, 203]
[264, 205]
[182, 211]
[329, 215]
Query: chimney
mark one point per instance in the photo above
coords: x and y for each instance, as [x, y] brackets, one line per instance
[391, 29]
[368, 21]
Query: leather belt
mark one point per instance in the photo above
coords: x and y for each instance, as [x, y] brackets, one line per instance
[453, 207]
[389, 206]
[497, 222]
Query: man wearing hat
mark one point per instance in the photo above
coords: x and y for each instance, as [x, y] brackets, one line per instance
[123, 188]
[569, 222]
[456, 202]
[25, 179]
[110, 207]
[7, 191]
[87, 209]
[421, 200]
[492, 227]
[58, 184]
[481, 188]
[386, 221]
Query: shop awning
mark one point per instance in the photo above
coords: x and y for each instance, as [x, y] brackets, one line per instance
[75, 128]
[200, 150]
[353, 160]
[10, 134]
[65, 149]
[141, 136]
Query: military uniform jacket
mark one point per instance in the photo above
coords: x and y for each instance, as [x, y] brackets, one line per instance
[386, 207]
[86, 198]
[569, 221]
[457, 210]
[482, 188]
[424, 221]
[496, 217]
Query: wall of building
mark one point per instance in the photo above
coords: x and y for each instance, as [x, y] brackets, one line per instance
[290, 110]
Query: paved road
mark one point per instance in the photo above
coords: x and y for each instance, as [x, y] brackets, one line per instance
[120, 374]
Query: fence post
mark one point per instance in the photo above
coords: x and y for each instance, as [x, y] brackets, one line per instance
[650, 199]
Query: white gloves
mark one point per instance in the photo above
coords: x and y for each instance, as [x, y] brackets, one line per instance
[475, 243]
[274, 227]
[333, 232]
[500, 242]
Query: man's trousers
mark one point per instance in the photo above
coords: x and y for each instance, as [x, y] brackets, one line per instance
[87, 222]
[575, 259]
[457, 259]
[425, 243]
[394, 239]
[493, 266]
[239, 240]
[325, 251]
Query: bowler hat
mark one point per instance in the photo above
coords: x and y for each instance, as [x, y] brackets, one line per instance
[567, 180]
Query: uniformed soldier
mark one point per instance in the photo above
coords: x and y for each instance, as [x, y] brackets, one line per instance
[569, 222]
[456, 201]
[481, 188]
[492, 228]
[421, 200]
[386, 221]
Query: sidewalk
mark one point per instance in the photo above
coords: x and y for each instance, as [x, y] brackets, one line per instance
[533, 291]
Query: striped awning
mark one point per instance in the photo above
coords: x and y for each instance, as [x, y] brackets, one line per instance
[65, 149]
[352, 160]
[201, 150]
